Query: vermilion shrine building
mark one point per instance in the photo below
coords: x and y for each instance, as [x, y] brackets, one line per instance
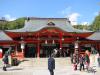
[40, 36]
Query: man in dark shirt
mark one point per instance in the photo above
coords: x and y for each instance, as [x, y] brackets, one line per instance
[82, 61]
[51, 64]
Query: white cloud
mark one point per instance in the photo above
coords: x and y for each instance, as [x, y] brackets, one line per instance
[73, 18]
[9, 18]
[85, 23]
[66, 11]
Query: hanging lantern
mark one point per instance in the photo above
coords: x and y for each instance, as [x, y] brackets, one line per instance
[0, 50]
[53, 42]
[46, 42]
[76, 44]
[62, 39]
[22, 45]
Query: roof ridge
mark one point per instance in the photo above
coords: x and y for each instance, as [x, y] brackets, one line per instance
[45, 18]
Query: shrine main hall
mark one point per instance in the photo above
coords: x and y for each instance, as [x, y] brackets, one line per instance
[40, 36]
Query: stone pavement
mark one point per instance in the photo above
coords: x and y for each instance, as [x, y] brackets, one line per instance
[36, 66]
[31, 71]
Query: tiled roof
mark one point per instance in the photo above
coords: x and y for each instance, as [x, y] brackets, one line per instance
[31, 27]
[4, 37]
[94, 36]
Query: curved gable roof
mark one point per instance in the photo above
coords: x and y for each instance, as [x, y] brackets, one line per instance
[37, 24]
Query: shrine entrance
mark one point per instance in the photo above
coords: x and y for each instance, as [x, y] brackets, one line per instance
[47, 49]
[5, 49]
[67, 50]
[30, 51]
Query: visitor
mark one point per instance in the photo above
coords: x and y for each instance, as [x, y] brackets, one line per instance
[65, 52]
[55, 52]
[60, 51]
[74, 62]
[5, 61]
[71, 57]
[98, 60]
[51, 64]
[82, 61]
[87, 59]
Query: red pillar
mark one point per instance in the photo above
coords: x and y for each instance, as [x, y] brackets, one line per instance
[0, 54]
[38, 47]
[60, 40]
[38, 50]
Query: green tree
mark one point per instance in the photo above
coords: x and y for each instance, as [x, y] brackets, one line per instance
[3, 25]
[20, 22]
[8, 25]
[82, 27]
[95, 26]
[11, 25]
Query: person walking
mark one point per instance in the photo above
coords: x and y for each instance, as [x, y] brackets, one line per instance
[98, 59]
[51, 65]
[55, 52]
[82, 61]
[87, 60]
[71, 58]
[6, 61]
[74, 62]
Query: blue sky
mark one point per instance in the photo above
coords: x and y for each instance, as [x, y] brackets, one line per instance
[78, 11]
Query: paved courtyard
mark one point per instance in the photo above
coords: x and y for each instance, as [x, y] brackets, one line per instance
[36, 66]
[31, 71]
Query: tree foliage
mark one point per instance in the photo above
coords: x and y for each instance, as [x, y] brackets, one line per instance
[16, 24]
[95, 26]
[82, 27]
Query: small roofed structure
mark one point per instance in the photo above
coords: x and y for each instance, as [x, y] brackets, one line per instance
[6, 40]
[4, 37]
[94, 36]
